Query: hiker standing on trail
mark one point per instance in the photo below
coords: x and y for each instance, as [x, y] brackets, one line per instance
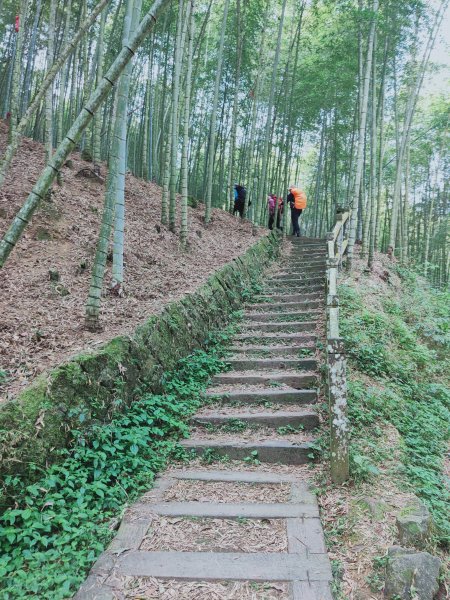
[280, 209]
[297, 202]
[271, 204]
[240, 194]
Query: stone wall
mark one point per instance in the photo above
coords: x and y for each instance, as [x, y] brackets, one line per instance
[91, 387]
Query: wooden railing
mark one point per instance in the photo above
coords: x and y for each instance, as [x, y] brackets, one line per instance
[336, 364]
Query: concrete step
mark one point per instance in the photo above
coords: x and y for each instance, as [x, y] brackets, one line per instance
[293, 380]
[295, 283]
[305, 396]
[284, 306]
[261, 364]
[291, 326]
[285, 271]
[295, 279]
[313, 570]
[274, 350]
[294, 288]
[261, 338]
[283, 317]
[307, 419]
[276, 451]
[303, 297]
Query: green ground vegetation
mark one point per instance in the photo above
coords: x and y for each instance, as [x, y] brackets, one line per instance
[397, 341]
[58, 525]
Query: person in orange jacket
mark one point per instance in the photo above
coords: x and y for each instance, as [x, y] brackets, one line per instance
[297, 202]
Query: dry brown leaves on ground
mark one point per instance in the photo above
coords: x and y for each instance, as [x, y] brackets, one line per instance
[189, 534]
[361, 522]
[220, 491]
[148, 588]
[42, 322]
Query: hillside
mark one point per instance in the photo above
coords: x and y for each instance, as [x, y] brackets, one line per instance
[42, 322]
[396, 333]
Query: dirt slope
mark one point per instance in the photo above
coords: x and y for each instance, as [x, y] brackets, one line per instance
[39, 325]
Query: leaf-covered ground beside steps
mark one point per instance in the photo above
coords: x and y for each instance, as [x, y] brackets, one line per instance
[397, 338]
[41, 324]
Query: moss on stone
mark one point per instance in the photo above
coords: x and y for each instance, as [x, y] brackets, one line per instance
[92, 386]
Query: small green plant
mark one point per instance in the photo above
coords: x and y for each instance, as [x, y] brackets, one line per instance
[235, 426]
[287, 429]
[252, 459]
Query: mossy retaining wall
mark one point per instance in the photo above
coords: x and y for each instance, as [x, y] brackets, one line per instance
[91, 387]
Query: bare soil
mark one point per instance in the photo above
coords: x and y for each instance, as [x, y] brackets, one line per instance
[148, 588]
[42, 322]
[221, 491]
[184, 534]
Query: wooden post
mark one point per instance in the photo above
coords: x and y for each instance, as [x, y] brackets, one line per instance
[337, 396]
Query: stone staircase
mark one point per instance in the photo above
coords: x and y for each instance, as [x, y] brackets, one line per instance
[261, 411]
[274, 369]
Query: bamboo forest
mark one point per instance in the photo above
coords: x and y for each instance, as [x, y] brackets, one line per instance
[224, 299]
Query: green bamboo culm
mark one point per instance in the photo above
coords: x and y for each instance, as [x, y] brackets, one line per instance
[40, 94]
[62, 152]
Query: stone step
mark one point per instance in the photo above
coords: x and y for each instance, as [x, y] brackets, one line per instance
[295, 282]
[283, 306]
[308, 250]
[297, 268]
[260, 364]
[273, 451]
[232, 510]
[276, 339]
[284, 396]
[295, 279]
[291, 326]
[303, 261]
[278, 350]
[304, 257]
[226, 566]
[303, 297]
[293, 380]
[285, 271]
[294, 288]
[269, 316]
[307, 419]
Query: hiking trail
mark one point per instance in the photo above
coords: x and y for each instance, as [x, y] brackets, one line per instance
[258, 522]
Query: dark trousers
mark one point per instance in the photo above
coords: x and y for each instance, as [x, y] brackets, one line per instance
[271, 221]
[239, 207]
[279, 220]
[295, 215]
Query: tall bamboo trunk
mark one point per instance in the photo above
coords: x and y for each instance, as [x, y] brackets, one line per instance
[187, 106]
[49, 93]
[361, 138]
[96, 145]
[15, 83]
[42, 89]
[121, 156]
[48, 175]
[213, 122]
[181, 32]
[259, 201]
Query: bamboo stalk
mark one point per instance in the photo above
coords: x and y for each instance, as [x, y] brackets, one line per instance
[48, 175]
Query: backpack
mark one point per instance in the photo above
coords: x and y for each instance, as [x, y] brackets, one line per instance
[242, 193]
